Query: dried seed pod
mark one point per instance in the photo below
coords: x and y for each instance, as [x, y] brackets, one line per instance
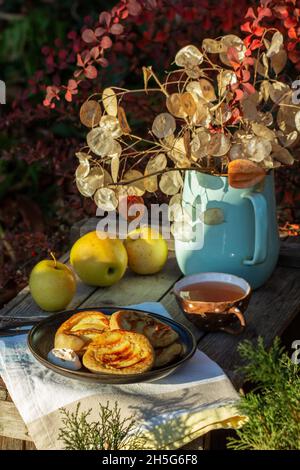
[90, 113]
[170, 183]
[174, 105]
[258, 149]
[219, 145]
[123, 120]
[109, 100]
[83, 169]
[212, 46]
[111, 125]
[244, 174]
[229, 41]
[106, 199]
[262, 131]
[188, 57]
[282, 155]
[114, 168]
[178, 154]
[163, 125]
[188, 104]
[99, 141]
[135, 188]
[175, 205]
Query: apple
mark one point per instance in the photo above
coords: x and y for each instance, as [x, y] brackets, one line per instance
[99, 260]
[52, 285]
[147, 251]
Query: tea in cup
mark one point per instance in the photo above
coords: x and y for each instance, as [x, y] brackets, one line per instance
[213, 301]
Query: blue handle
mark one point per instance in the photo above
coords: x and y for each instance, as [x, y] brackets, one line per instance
[259, 204]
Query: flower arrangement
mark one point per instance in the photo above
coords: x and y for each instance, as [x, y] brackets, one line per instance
[226, 113]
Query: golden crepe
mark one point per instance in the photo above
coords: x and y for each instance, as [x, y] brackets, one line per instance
[119, 352]
[159, 334]
[164, 356]
[79, 330]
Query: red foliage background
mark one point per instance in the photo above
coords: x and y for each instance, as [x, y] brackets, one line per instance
[42, 122]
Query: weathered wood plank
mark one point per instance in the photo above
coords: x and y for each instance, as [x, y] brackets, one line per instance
[290, 253]
[11, 423]
[6, 443]
[270, 311]
[133, 289]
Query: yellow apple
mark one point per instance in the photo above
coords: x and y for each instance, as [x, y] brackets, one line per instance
[52, 285]
[147, 251]
[99, 261]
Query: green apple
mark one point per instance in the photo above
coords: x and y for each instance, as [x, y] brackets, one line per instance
[52, 285]
[147, 251]
[99, 261]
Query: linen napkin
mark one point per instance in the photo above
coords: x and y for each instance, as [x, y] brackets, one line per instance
[170, 412]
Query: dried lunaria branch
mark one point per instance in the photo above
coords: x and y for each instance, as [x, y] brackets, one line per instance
[221, 118]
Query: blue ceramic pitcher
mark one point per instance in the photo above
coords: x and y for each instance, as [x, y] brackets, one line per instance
[236, 231]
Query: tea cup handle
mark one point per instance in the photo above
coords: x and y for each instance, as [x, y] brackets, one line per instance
[259, 204]
[238, 330]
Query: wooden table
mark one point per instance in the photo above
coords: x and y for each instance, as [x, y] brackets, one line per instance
[272, 308]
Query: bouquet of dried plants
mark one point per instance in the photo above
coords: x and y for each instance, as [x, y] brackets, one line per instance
[226, 112]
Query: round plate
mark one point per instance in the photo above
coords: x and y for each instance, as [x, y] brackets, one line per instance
[41, 341]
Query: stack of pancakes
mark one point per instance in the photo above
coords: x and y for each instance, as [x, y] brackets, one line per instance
[126, 342]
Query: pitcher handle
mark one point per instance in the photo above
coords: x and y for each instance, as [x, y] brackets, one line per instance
[259, 204]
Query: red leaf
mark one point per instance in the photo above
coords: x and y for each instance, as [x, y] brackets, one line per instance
[105, 18]
[100, 31]
[106, 42]
[238, 94]
[117, 29]
[102, 61]
[95, 52]
[248, 88]
[263, 12]
[90, 72]
[255, 44]
[72, 84]
[124, 14]
[246, 27]
[250, 13]
[134, 8]
[89, 36]
[68, 96]
[232, 55]
[79, 61]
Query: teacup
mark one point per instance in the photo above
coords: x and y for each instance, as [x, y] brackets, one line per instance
[213, 301]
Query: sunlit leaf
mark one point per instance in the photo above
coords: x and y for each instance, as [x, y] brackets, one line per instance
[163, 125]
[110, 102]
[276, 44]
[278, 61]
[188, 57]
[170, 183]
[106, 199]
[244, 174]
[90, 113]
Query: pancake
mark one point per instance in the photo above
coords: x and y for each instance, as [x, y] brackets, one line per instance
[119, 352]
[79, 330]
[164, 356]
[159, 334]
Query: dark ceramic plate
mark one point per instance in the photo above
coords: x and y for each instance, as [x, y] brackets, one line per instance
[41, 341]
